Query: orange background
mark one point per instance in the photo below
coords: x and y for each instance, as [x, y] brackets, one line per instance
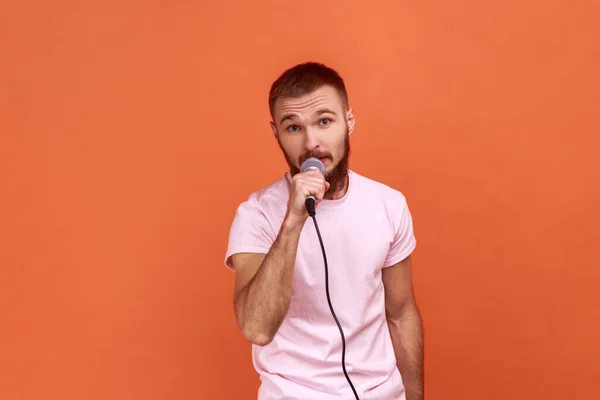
[130, 131]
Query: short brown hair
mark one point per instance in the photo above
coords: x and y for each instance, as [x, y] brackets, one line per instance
[305, 78]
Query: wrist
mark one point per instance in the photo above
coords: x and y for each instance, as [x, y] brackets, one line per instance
[294, 222]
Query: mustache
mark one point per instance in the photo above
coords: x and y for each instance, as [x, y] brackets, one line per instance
[315, 155]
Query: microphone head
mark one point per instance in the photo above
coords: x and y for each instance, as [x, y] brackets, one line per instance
[313, 163]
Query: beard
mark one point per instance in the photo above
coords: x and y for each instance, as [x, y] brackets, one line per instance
[336, 177]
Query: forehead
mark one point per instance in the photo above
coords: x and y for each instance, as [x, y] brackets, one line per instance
[306, 104]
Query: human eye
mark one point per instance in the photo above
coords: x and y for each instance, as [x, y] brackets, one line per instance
[293, 128]
[325, 121]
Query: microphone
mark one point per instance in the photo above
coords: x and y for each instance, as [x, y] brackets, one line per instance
[312, 163]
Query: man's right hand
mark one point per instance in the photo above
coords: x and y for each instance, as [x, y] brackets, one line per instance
[304, 184]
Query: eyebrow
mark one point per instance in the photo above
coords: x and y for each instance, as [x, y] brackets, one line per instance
[325, 111]
[286, 117]
[318, 112]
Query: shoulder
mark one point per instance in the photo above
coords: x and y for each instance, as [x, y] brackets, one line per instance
[383, 199]
[255, 223]
[267, 200]
[378, 190]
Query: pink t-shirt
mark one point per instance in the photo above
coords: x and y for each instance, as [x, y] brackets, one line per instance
[370, 228]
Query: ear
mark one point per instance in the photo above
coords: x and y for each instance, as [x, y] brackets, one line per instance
[273, 128]
[350, 120]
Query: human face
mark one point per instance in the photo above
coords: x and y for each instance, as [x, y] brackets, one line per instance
[315, 125]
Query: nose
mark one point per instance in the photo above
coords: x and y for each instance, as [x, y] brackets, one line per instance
[311, 140]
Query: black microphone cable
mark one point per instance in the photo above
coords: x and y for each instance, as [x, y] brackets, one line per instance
[310, 206]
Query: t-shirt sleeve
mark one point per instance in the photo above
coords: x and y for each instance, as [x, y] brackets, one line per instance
[404, 241]
[250, 232]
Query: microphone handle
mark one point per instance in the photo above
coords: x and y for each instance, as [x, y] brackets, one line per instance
[309, 203]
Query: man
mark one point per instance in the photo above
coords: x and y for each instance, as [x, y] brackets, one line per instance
[280, 293]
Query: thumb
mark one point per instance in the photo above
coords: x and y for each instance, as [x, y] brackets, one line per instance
[327, 186]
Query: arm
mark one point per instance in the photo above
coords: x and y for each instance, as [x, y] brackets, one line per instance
[404, 322]
[263, 285]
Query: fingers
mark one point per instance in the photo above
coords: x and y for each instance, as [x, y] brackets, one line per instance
[303, 185]
[311, 182]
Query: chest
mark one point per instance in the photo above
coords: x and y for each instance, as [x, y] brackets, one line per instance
[355, 249]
